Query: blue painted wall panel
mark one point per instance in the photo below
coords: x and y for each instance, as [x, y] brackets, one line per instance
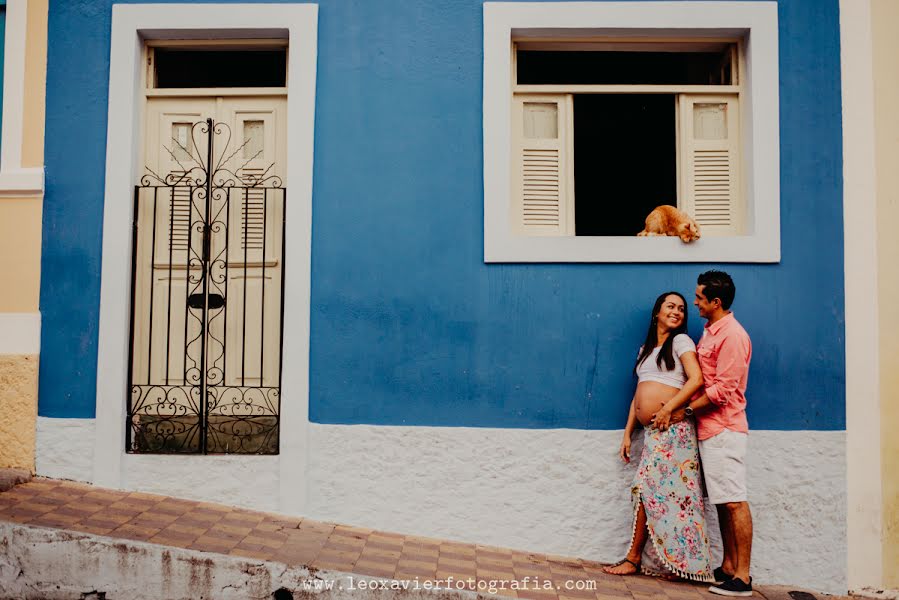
[408, 325]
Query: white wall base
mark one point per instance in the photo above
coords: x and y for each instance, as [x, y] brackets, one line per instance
[65, 448]
[246, 481]
[564, 491]
[559, 491]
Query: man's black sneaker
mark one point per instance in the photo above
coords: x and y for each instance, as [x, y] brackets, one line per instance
[733, 587]
[720, 576]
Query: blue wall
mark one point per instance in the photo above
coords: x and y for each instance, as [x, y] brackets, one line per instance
[409, 326]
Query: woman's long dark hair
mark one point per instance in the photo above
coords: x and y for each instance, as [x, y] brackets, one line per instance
[652, 335]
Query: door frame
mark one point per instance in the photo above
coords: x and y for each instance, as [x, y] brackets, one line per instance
[132, 27]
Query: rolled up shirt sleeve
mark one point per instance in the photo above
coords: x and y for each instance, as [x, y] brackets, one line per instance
[732, 364]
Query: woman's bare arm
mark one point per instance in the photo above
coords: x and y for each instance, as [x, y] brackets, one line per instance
[625, 450]
[631, 420]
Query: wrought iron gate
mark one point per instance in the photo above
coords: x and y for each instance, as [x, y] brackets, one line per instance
[206, 302]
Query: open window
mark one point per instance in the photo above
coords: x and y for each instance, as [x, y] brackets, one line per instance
[250, 64]
[596, 113]
[603, 132]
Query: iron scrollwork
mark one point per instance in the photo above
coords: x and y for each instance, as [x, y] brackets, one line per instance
[195, 398]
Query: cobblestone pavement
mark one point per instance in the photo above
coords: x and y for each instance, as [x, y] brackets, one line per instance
[228, 530]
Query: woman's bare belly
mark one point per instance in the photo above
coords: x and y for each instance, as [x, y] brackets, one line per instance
[650, 397]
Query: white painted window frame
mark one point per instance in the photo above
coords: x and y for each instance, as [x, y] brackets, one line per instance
[16, 180]
[132, 26]
[760, 124]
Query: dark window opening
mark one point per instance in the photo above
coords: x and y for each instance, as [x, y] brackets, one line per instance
[220, 68]
[625, 160]
[537, 67]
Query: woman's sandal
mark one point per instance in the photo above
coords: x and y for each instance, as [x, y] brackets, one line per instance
[621, 562]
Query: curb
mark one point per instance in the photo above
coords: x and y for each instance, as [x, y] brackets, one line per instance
[786, 592]
[38, 563]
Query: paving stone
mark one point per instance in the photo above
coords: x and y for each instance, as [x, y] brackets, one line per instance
[375, 569]
[215, 528]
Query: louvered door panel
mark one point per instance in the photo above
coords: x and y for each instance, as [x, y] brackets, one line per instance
[709, 130]
[542, 202]
[252, 208]
[180, 213]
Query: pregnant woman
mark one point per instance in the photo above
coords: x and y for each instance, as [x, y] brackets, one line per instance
[666, 493]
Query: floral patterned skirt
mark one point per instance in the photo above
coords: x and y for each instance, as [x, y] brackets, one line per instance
[669, 483]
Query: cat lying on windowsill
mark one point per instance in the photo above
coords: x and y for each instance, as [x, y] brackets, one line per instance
[667, 220]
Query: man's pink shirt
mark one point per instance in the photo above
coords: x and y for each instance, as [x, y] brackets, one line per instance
[724, 351]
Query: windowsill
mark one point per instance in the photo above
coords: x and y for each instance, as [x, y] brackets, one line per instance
[22, 183]
[633, 249]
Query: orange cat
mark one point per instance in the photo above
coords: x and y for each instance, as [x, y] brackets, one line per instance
[667, 220]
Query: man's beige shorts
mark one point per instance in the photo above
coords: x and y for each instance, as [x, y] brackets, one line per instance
[724, 466]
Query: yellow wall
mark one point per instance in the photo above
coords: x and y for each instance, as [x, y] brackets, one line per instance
[20, 218]
[35, 84]
[18, 410]
[885, 48]
[20, 256]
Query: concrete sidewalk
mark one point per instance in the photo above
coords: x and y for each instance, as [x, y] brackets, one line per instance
[295, 542]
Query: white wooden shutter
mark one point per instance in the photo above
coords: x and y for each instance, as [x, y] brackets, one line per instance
[709, 170]
[543, 169]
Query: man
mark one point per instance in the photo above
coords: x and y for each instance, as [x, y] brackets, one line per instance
[724, 352]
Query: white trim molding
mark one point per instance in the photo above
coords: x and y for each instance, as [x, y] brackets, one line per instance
[21, 183]
[864, 521]
[760, 123]
[14, 179]
[21, 333]
[132, 25]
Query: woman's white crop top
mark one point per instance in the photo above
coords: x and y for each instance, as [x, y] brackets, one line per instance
[650, 371]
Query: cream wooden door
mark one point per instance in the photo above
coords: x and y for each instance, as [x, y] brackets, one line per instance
[176, 144]
[254, 263]
[206, 333]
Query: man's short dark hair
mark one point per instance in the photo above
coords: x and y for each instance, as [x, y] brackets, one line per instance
[718, 284]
